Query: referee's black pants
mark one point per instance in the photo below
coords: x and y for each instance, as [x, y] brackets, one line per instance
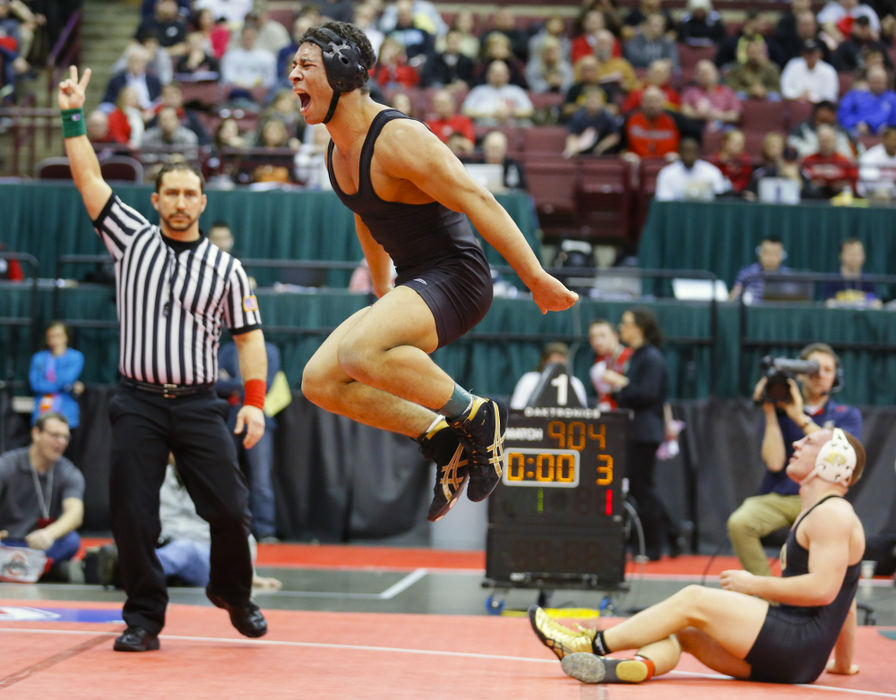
[145, 428]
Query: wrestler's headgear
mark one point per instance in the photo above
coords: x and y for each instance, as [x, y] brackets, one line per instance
[836, 460]
[342, 63]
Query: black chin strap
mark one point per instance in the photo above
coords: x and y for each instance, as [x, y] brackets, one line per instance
[333, 101]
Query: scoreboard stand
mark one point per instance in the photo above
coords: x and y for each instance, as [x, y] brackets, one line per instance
[558, 520]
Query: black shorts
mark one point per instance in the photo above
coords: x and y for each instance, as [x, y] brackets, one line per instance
[792, 647]
[458, 291]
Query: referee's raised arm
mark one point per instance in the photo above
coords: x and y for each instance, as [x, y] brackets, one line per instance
[81, 158]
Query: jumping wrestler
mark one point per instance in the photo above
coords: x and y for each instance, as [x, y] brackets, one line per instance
[411, 198]
[736, 631]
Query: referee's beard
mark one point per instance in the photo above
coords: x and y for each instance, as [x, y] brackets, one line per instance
[183, 224]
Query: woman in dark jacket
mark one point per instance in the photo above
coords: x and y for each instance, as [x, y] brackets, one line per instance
[643, 390]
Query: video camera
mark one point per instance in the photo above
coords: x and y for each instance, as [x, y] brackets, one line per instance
[777, 370]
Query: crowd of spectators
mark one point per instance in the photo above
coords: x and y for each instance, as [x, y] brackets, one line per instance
[625, 81]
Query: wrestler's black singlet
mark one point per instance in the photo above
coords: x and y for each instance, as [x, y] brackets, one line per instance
[434, 249]
[795, 642]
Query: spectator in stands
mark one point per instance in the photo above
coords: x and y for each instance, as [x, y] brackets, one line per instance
[616, 73]
[700, 25]
[310, 166]
[392, 69]
[851, 289]
[135, 75]
[447, 121]
[548, 70]
[12, 63]
[173, 96]
[214, 35]
[197, 63]
[497, 102]
[497, 48]
[838, 16]
[689, 177]
[167, 134]
[168, 27]
[504, 22]
[29, 21]
[42, 496]
[587, 75]
[402, 102]
[593, 129]
[590, 22]
[877, 168]
[148, 8]
[55, 376]
[554, 27]
[272, 35]
[659, 74]
[97, 124]
[809, 410]
[849, 56]
[424, 14]
[552, 353]
[160, 63]
[796, 25]
[409, 31]
[651, 132]
[637, 15]
[777, 161]
[733, 49]
[650, 43]
[494, 151]
[272, 133]
[865, 111]
[828, 173]
[610, 356]
[365, 20]
[804, 138]
[464, 23]
[126, 121]
[708, 102]
[808, 78]
[756, 77]
[450, 68]
[733, 161]
[283, 108]
[233, 12]
[247, 65]
[228, 134]
[750, 283]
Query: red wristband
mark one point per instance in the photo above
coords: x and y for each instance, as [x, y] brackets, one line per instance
[255, 390]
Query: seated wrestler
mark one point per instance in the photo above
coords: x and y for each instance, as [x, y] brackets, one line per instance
[737, 631]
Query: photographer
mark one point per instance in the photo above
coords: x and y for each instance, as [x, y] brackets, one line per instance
[791, 410]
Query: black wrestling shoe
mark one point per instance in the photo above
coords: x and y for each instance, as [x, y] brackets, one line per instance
[441, 446]
[590, 668]
[481, 431]
[136, 639]
[248, 620]
[560, 639]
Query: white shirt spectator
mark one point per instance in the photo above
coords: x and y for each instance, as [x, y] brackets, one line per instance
[426, 16]
[248, 68]
[821, 82]
[485, 102]
[877, 172]
[701, 182]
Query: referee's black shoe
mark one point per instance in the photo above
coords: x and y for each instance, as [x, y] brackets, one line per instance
[440, 445]
[481, 431]
[248, 619]
[136, 639]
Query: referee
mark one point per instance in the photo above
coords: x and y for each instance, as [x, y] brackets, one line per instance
[174, 292]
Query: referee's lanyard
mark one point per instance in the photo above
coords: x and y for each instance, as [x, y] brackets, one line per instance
[43, 502]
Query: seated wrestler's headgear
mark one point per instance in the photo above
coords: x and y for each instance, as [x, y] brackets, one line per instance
[836, 460]
[342, 62]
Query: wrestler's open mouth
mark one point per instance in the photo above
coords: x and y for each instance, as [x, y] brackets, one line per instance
[304, 100]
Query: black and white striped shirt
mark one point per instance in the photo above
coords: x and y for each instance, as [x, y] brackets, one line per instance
[172, 299]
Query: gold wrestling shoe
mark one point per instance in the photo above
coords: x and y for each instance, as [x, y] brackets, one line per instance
[481, 431]
[440, 445]
[560, 639]
[590, 668]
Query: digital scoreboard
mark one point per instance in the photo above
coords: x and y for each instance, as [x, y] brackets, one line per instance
[557, 518]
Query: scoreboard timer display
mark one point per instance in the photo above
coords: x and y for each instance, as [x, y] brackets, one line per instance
[558, 514]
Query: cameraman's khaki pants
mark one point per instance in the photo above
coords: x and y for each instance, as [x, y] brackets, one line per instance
[757, 517]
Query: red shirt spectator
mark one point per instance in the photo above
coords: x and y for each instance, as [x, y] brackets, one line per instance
[650, 132]
[733, 161]
[633, 99]
[458, 124]
[827, 171]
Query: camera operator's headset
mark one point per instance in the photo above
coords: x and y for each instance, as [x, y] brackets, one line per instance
[827, 350]
[342, 64]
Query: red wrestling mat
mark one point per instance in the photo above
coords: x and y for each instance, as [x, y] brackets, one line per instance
[342, 655]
